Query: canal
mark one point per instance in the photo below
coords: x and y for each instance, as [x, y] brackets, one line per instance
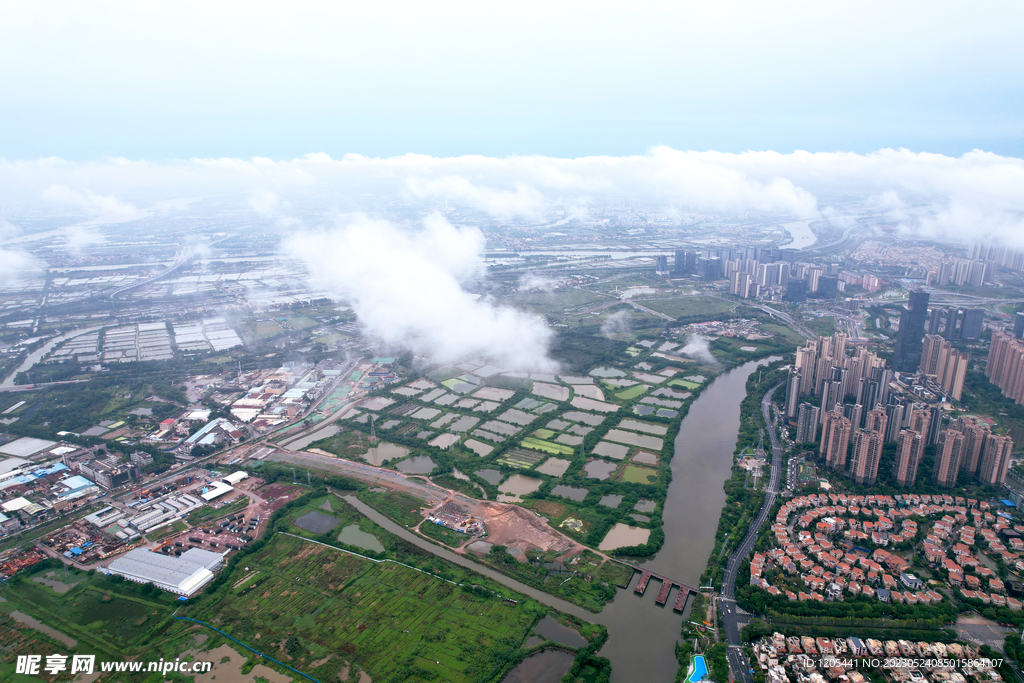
[642, 636]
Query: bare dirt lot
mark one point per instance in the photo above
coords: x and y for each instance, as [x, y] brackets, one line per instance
[512, 526]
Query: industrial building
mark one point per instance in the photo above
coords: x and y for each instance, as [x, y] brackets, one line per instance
[216, 490]
[183, 575]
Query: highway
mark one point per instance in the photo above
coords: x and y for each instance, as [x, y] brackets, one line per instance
[788, 320]
[732, 620]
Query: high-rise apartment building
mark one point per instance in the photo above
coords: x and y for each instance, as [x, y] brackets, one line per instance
[792, 393]
[975, 434]
[1005, 367]
[835, 440]
[806, 360]
[894, 412]
[947, 458]
[876, 420]
[920, 421]
[946, 365]
[995, 460]
[807, 424]
[742, 285]
[867, 452]
[909, 447]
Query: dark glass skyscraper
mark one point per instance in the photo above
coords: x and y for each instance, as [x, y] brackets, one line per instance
[910, 338]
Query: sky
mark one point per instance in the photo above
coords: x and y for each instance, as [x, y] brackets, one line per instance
[182, 80]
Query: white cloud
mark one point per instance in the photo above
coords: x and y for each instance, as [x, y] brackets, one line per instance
[78, 237]
[103, 209]
[406, 287]
[16, 264]
[524, 202]
[264, 201]
[975, 196]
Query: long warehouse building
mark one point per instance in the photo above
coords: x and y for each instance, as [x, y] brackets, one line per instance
[183, 575]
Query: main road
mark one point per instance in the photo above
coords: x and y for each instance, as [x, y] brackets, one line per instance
[732, 621]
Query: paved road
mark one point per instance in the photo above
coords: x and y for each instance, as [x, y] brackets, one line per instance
[788, 320]
[981, 631]
[732, 619]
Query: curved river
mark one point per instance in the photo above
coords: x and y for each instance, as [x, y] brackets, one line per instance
[642, 636]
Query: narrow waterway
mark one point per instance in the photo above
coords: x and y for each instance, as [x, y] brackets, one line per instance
[642, 636]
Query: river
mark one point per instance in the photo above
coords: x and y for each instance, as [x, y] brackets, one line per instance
[642, 636]
[38, 354]
[801, 233]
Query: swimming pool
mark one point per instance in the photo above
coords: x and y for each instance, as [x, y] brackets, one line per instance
[698, 669]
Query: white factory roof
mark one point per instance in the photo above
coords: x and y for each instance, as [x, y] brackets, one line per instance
[174, 574]
[217, 489]
[26, 446]
[207, 558]
[15, 504]
[12, 465]
[236, 477]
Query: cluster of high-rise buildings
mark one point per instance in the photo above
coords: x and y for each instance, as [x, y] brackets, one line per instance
[957, 324]
[967, 448]
[757, 271]
[1000, 256]
[960, 271]
[824, 369]
[1005, 367]
[754, 271]
[944, 364]
[854, 433]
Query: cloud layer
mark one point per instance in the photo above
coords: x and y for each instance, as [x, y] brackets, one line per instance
[406, 287]
[975, 196]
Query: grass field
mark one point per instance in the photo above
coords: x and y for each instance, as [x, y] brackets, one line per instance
[781, 331]
[690, 306]
[544, 433]
[825, 325]
[555, 302]
[175, 528]
[632, 392]
[443, 534]
[684, 383]
[547, 446]
[301, 322]
[395, 623]
[268, 328]
[207, 513]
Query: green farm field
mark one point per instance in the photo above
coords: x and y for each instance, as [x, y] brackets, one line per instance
[393, 622]
[632, 392]
[547, 446]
